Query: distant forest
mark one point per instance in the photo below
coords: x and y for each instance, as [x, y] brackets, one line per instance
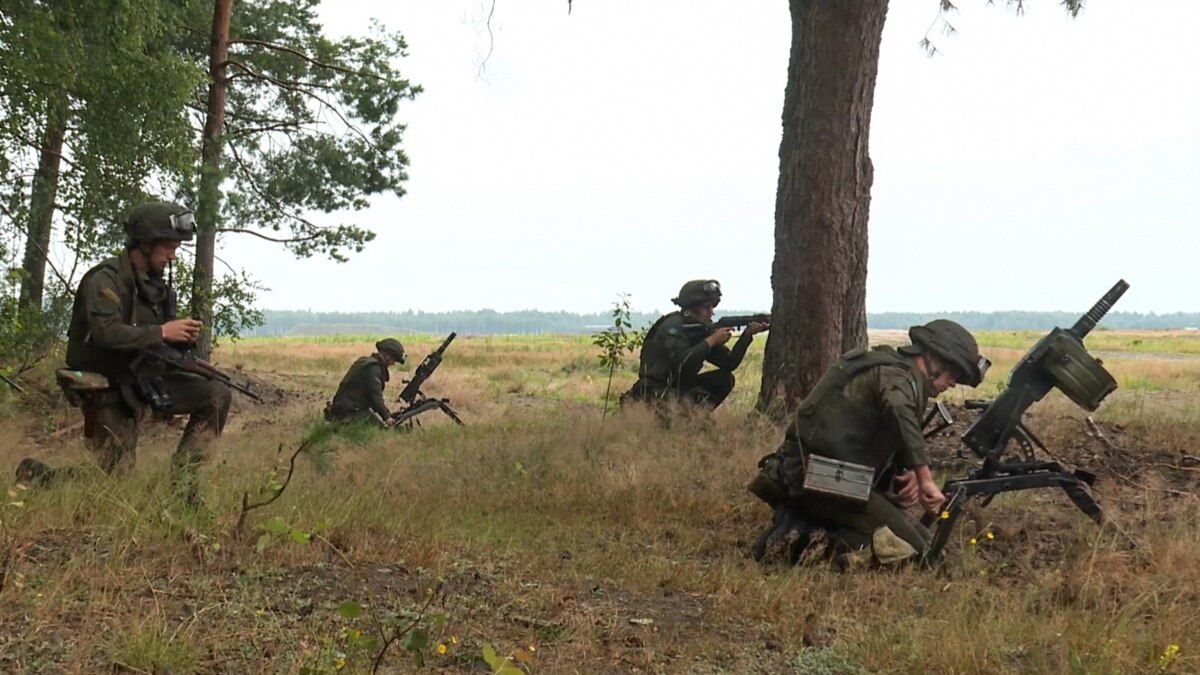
[489, 322]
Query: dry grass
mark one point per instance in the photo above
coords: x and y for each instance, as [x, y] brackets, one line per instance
[608, 545]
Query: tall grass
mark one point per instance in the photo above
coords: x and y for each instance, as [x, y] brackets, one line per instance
[608, 545]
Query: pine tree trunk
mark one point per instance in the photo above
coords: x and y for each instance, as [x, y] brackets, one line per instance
[209, 200]
[43, 193]
[820, 270]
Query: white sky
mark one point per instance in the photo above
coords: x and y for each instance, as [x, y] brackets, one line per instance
[634, 145]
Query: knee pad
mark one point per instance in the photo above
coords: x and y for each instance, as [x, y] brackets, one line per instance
[890, 548]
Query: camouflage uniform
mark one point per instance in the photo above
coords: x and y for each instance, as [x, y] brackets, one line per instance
[675, 350]
[118, 310]
[672, 357]
[867, 409]
[360, 394]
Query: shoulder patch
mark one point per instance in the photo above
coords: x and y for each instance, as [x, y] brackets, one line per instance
[674, 331]
[111, 295]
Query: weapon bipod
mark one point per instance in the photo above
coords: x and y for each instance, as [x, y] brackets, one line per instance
[407, 416]
[989, 481]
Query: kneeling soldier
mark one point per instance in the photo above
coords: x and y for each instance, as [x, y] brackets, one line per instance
[360, 394]
[862, 422]
[678, 344]
[124, 305]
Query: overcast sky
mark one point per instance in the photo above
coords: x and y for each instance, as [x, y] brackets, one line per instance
[634, 145]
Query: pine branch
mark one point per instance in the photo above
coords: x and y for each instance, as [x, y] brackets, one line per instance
[298, 87]
[309, 59]
[277, 240]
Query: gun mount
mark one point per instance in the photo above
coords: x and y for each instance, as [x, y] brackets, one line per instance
[415, 400]
[1057, 361]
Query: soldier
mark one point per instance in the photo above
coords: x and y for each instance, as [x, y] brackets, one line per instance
[678, 344]
[122, 305]
[867, 410]
[360, 394]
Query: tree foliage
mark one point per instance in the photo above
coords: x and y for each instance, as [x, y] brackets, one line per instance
[311, 124]
[125, 135]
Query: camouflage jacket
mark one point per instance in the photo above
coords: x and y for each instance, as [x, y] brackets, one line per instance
[866, 409]
[117, 310]
[675, 350]
[361, 389]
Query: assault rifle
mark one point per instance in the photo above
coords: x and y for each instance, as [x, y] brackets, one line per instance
[1059, 360]
[188, 363]
[415, 400]
[736, 321]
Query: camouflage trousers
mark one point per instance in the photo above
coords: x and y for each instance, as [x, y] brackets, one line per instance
[857, 525]
[849, 525]
[333, 413]
[708, 389]
[115, 436]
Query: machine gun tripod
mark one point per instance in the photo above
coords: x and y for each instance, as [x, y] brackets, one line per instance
[1058, 361]
[995, 477]
[415, 400]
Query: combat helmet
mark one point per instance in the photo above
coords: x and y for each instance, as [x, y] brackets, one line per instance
[953, 344]
[699, 292]
[391, 347]
[160, 221]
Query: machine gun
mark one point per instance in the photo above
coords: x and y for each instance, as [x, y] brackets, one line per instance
[736, 321]
[415, 400]
[1059, 360]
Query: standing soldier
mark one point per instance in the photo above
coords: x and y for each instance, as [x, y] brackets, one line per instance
[678, 344]
[866, 410]
[124, 305]
[360, 394]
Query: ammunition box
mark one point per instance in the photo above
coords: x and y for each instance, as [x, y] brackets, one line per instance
[838, 479]
[1075, 372]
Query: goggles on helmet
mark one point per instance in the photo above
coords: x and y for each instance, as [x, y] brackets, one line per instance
[184, 223]
[984, 364]
[712, 287]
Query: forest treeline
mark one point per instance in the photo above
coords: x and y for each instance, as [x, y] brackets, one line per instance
[490, 322]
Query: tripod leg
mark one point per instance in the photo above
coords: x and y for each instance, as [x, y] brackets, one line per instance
[450, 411]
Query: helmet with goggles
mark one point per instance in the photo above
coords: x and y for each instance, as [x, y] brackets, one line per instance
[160, 221]
[699, 292]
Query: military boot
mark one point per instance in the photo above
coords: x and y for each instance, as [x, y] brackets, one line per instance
[32, 472]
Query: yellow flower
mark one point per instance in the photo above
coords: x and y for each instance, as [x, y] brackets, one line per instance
[340, 663]
[1168, 656]
[974, 541]
[441, 648]
[532, 648]
[453, 639]
[990, 535]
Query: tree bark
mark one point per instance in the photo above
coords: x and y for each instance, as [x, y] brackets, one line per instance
[820, 270]
[209, 200]
[42, 200]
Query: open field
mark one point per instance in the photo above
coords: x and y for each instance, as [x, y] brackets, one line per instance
[574, 543]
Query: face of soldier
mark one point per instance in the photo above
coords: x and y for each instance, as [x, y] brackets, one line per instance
[703, 312]
[161, 254]
[946, 378]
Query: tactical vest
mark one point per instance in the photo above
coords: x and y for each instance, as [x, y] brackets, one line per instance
[655, 370]
[354, 393]
[831, 424]
[82, 351]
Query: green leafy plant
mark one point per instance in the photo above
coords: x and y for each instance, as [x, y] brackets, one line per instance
[516, 662]
[616, 341]
[317, 446]
[367, 638]
[277, 529]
